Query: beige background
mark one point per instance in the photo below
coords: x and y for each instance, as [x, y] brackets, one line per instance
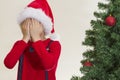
[72, 18]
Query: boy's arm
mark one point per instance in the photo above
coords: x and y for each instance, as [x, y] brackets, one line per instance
[15, 53]
[49, 58]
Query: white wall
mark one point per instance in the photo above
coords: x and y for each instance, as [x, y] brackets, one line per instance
[72, 18]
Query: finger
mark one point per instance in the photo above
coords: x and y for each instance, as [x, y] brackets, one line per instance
[38, 23]
[23, 26]
[33, 23]
[30, 23]
[28, 31]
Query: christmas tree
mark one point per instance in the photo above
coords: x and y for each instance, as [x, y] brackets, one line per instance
[102, 62]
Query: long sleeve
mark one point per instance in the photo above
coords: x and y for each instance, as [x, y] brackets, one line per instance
[48, 58]
[15, 53]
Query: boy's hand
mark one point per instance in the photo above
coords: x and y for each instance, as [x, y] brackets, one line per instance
[36, 30]
[25, 31]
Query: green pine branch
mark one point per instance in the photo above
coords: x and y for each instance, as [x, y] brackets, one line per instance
[105, 43]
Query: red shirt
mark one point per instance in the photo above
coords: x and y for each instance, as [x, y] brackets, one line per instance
[35, 61]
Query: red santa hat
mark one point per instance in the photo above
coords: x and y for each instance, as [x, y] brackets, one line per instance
[41, 11]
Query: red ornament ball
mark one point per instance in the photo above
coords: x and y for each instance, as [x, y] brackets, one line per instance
[110, 21]
[88, 64]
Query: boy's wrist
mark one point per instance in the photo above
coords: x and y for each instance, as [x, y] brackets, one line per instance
[25, 39]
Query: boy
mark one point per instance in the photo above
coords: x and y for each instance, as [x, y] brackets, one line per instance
[37, 55]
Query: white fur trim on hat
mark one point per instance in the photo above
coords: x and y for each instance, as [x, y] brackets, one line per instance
[37, 14]
[55, 37]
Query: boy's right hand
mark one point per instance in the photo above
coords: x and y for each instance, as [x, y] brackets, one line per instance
[25, 31]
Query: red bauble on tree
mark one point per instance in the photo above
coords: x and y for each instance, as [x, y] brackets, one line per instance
[110, 21]
[88, 64]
